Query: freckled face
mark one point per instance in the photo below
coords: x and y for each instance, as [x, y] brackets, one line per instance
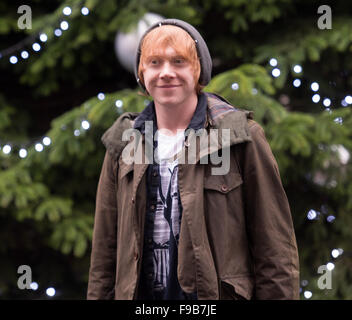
[169, 78]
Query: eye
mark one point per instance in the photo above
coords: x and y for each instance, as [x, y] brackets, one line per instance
[153, 61]
[179, 60]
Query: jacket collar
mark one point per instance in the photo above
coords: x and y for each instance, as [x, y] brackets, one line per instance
[212, 112]
[197, 121]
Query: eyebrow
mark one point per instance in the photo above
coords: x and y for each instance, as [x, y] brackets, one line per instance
[155, 56]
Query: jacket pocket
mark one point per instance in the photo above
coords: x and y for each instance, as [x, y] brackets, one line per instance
[237, 288]
[223, 183]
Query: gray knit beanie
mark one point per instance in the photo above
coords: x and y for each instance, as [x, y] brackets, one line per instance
[202, 49]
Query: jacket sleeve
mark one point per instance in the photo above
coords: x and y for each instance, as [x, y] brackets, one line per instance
[101, 280]
[269, 222]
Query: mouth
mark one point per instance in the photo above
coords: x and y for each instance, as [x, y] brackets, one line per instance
[169, 86]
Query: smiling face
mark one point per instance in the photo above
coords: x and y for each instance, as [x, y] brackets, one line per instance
[169, 66]
[168, 77]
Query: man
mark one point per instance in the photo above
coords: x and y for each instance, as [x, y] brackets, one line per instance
[176, 226]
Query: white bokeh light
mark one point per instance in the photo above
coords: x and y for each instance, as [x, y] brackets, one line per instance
[338, 120]
[36, 47]
[64, 25]
[316, 98]
[330, 266]
[43, 37]
[327, 102]
[85, 11]
[34, 286]
[50, 292]
[85, 125]
[39, 147]
[22, 153]
[348, 99]
[335, 253]
[296, 83]
[314, 86]
[13, 59]
[24, 54]
[67, 11]
[235, 86]
[307, 294]
[6, 149]
[58, 32]
[297, 68]
[101, 96]
[276, 72]
[46, 141]
[119, 103]
[312, 214]
[273, 62]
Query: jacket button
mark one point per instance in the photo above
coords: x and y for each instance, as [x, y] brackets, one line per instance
[152, 207]
[224, 188]
[132, 200]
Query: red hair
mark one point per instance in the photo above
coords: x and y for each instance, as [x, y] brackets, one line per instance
[162, 37]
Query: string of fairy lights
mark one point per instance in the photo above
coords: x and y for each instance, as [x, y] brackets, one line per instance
[19, 52]
[45, 141]
[22, 50]
[314, 214]
[327, 104]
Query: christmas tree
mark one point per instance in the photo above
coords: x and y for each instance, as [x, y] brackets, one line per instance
[66, 77]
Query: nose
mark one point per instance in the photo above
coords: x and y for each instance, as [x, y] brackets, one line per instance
[166, 71]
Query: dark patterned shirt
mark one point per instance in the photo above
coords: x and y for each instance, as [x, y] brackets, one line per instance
[163, 219]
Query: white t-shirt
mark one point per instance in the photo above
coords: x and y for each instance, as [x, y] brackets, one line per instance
[168, 146]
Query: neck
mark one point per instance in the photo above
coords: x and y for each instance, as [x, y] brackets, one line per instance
[175, 117]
